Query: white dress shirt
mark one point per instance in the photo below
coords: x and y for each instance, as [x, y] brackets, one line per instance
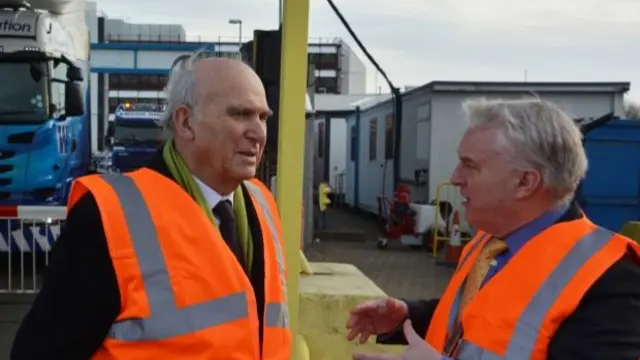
[211, 196]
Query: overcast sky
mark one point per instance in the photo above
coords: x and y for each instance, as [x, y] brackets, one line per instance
[417, 41]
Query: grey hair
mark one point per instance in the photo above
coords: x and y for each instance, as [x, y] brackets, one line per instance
[541, 135]
[180, 88]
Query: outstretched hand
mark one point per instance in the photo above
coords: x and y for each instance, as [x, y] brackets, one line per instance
[418, 348]
[376, 317]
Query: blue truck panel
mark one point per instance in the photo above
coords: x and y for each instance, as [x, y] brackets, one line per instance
[40, 157]
[610, 193]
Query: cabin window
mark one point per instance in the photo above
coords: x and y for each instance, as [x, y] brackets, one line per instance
[373, 139]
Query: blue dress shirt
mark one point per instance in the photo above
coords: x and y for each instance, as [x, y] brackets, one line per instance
[519, 238]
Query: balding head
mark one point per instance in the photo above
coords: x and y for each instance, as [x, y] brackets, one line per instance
[217, 112]
[218, 76]
[201, 73]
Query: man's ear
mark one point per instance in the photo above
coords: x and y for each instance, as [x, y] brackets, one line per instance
[530, 181]
[182, 120]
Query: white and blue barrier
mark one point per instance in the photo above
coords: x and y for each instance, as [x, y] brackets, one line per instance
[27, 234]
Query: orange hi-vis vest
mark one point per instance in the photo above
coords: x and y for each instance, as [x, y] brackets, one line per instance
[184, 295]
[515, 314]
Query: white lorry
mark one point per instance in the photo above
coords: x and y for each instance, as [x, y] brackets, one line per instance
[44, 116]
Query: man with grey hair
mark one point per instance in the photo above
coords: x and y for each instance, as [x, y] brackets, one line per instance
[182, 259]
[539, 280]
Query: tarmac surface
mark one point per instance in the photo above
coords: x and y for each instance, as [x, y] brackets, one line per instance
[399, 270]
[14, 306]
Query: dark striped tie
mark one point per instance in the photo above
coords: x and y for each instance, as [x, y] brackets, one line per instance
[224, 212]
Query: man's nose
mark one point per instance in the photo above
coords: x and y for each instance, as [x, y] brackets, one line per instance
[456, 177]
[258, 131]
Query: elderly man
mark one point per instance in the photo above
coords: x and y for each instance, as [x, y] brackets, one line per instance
[539, 281]
[181, 259]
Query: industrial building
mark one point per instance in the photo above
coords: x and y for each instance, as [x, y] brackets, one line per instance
[337, 68]
[330, 140]
[130, 63]
[432, 125]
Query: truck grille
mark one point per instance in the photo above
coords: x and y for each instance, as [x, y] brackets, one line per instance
[7, 154]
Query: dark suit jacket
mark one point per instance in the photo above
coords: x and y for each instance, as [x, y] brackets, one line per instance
[80, 298]
[605, 326]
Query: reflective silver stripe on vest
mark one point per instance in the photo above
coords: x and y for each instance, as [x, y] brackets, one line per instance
[165, 319]
[523, 340]
[276, 314]
[469, 351]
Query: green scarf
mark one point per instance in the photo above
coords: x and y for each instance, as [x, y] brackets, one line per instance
[181, 173]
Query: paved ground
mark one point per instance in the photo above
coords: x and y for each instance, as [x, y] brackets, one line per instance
[350, 238]
[14, 307]
[397, 270]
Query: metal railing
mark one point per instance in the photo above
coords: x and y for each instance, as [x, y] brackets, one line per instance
[146, 37]
[27, 235]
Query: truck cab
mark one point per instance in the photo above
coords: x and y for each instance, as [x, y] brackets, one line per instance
[136, 135]
[44, 129]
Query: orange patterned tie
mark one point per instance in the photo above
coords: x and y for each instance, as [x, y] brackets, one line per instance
[472, 283]
[480, 269]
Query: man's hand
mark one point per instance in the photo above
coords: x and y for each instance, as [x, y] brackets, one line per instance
[376, 317]
[418, 349]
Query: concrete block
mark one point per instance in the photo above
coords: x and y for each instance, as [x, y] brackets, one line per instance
[631, 230]
[325, 300]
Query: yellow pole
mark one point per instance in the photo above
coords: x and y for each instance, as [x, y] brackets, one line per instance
[293, 87]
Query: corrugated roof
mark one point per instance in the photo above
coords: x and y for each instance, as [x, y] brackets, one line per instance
[347, 102]
[503, 86]
[532, 87]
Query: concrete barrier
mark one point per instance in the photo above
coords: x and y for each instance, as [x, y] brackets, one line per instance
[631, 230]
[325, 300]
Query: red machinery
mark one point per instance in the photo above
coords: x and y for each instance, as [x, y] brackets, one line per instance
[399, 219]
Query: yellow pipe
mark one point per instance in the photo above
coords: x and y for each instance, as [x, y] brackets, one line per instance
[291, 135]
[436, 237]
